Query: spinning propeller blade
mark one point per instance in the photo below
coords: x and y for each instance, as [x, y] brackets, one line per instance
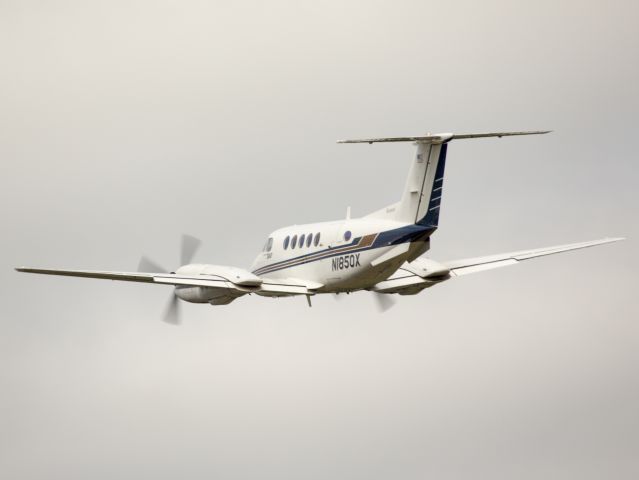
[149, 266]
[384, 301]
[172, 313]
[188, 248]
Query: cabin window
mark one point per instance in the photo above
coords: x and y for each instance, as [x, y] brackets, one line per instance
[294, 241]
[309, 239]
[347, 235]
[302, 240]
[317, 239]
[286, 241]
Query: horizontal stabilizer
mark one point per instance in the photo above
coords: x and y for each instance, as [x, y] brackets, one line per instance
[443, 137]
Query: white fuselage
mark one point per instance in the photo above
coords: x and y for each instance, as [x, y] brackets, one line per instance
[354, 254]
[349, 254]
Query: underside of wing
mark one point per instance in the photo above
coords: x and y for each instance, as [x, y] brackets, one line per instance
[287, 287]
[123, 276]
[219, 283]
[479, 264]
[423, 273]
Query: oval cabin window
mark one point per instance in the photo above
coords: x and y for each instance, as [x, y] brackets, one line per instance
[294, 241]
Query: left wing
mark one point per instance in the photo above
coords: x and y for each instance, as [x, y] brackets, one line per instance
[265, 287]
[125, 276]
[413, 277]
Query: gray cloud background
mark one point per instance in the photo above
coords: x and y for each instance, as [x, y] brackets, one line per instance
[124, 124]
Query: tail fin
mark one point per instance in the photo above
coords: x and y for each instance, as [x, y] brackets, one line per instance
[421, 199]
[430, 195]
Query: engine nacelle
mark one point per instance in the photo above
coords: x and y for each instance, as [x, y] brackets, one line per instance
[427, 268]
[214, 296]
[235, 275]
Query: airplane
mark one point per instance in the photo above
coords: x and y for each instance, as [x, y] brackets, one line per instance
[381, 252]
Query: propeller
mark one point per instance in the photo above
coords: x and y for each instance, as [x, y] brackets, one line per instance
[172, 312]
[149, 266]
[188, 248]
[384, 301]
[190, 245]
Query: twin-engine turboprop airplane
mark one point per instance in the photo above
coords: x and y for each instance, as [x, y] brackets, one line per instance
[380, 252]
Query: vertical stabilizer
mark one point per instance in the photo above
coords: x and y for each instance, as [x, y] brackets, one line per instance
[421, 198]
[422, 194]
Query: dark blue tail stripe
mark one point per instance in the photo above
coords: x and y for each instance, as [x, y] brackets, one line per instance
[431, 219]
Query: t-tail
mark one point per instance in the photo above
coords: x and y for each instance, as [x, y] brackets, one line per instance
[420, 203]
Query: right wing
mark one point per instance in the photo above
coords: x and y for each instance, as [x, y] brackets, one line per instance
[413, 278]
[479, 264]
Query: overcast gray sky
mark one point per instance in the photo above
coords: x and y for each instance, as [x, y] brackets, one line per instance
[125, 124]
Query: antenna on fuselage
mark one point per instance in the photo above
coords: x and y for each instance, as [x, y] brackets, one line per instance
[348, 213]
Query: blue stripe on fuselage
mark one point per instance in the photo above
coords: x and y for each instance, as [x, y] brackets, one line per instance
[408, 233]
[312, 254]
